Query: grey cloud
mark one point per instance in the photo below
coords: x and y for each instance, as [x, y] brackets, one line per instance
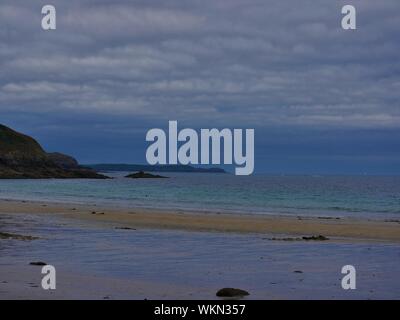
[256, 63]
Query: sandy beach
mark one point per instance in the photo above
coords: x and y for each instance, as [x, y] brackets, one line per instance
[212, 150]
[382, 230]
[116, 253]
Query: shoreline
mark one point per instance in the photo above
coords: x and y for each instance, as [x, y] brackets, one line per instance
[361, 229]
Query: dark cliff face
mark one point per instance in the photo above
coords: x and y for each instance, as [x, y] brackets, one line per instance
[64, 161]
[22, 157]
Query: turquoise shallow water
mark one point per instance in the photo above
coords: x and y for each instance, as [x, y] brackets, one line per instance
[371, 196]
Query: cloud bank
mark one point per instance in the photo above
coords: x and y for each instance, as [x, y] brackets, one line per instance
[273, 65]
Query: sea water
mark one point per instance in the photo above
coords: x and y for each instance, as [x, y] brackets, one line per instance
[331, 196]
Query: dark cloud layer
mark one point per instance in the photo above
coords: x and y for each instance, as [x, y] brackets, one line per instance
[320, 98]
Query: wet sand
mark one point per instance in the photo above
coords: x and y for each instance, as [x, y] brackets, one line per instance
[212, 222]
[23, 282]
[139, 254]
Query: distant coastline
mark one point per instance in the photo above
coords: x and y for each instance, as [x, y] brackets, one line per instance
[104, 167]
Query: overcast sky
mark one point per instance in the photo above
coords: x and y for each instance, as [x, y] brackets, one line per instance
[322, 99]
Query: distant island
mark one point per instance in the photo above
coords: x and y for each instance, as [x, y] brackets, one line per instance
[22, 157]
[152, 168]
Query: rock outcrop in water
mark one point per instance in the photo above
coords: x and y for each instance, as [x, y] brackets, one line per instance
[144, 175]
[22, 157]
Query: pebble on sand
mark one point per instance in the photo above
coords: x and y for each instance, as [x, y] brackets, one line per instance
[232, 292]
[38, 263]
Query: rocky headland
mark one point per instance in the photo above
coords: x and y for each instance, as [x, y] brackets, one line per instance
[22, 157]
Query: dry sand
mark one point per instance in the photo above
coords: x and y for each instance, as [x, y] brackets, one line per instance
[144, 218]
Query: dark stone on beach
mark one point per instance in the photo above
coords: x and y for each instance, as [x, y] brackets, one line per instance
[283, 239]
[124, 228]
[12, 236]
[311, 238]
[316, 238]
[94, 212]
[298, 271]
[392, 220]
[144, 175]
[38, 263]
[231, 292]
